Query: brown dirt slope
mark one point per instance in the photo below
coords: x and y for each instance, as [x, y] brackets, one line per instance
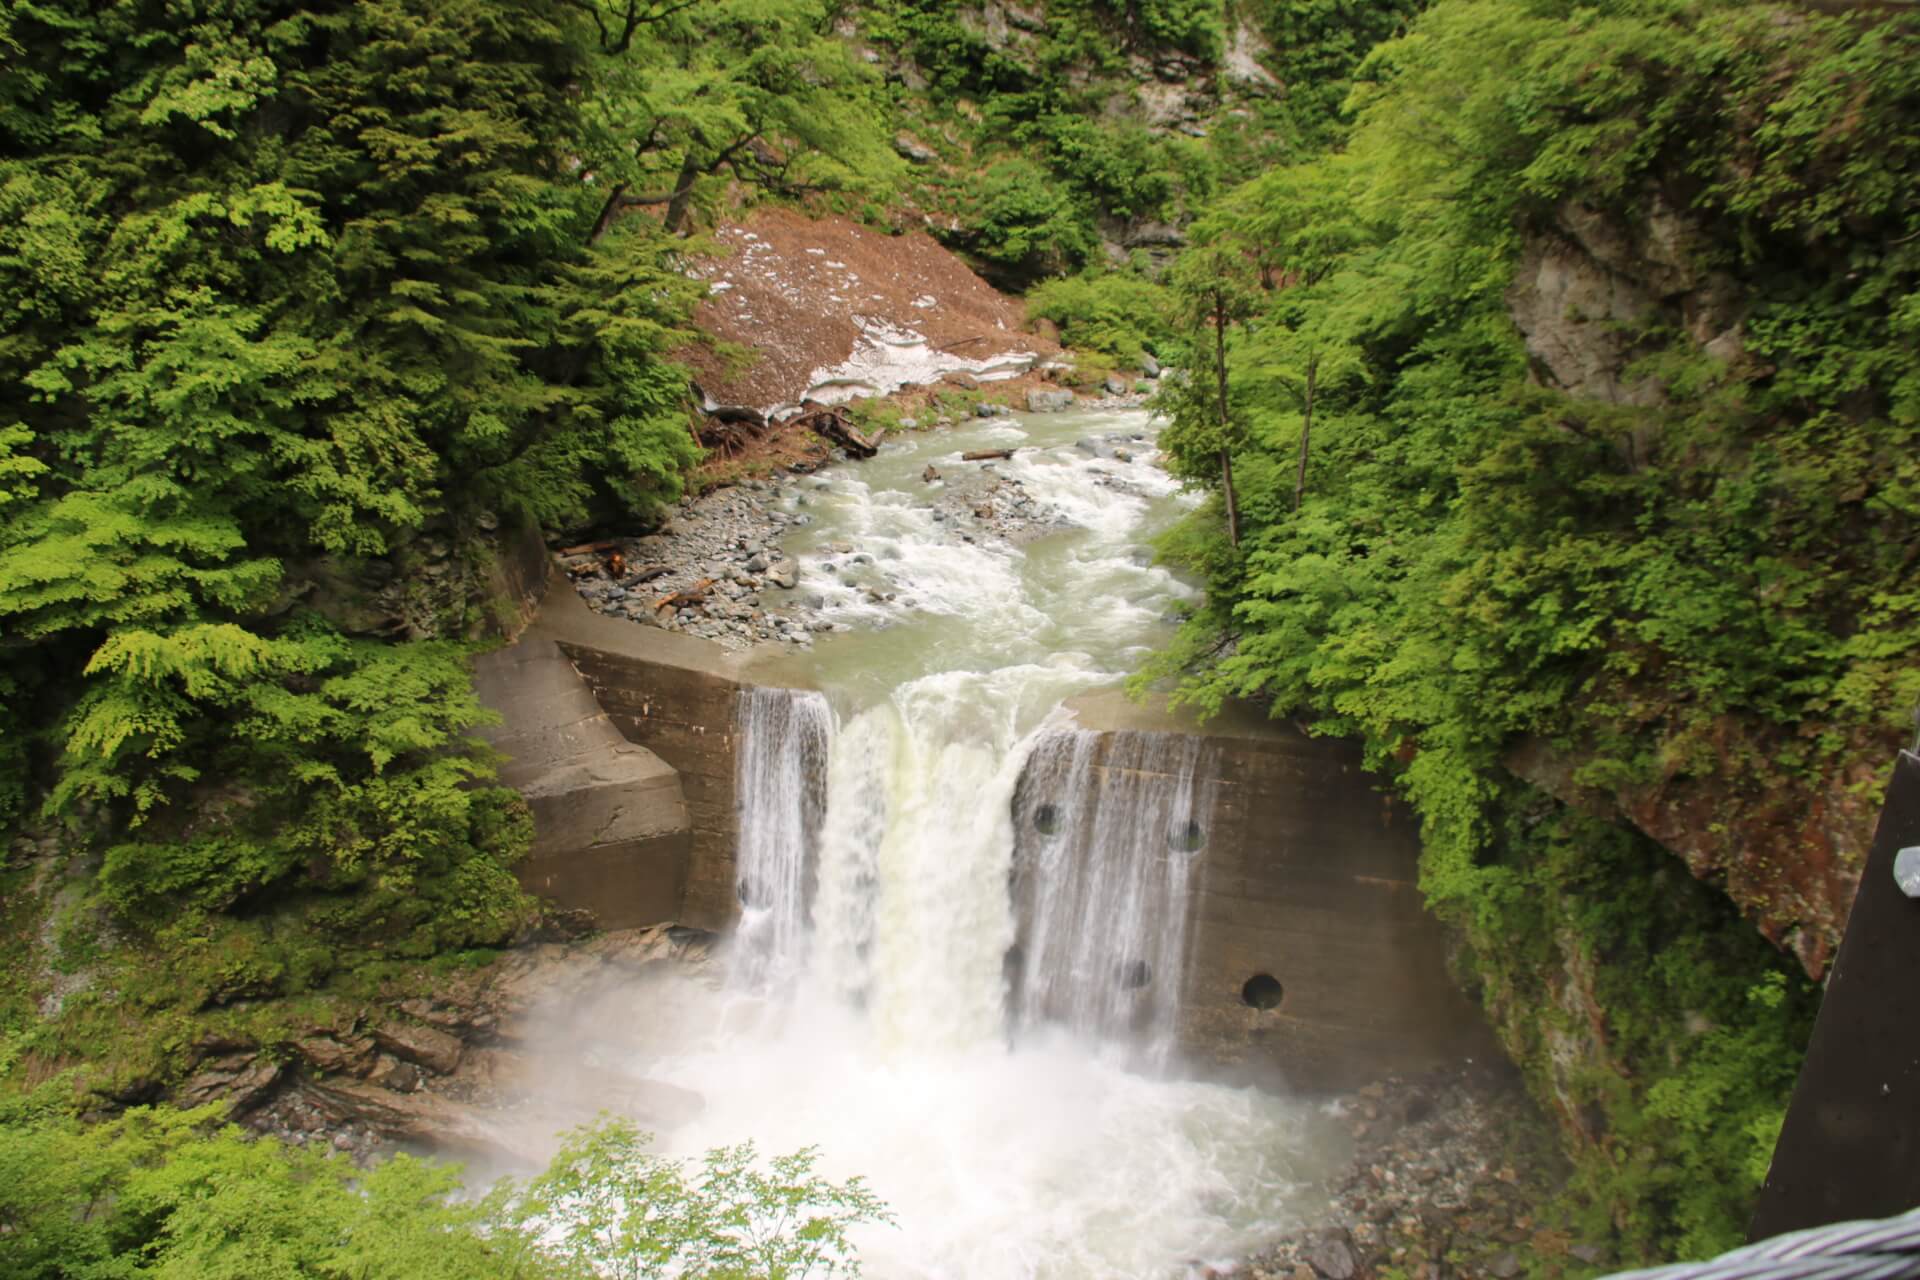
[807, 296]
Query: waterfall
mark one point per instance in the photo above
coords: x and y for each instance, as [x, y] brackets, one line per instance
[959, 962]
[1110, 830]
[780, 789]
[938, 882]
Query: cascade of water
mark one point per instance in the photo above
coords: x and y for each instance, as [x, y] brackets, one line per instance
[780, 782]
[1110, 829]
[845, 907]
[876, 853]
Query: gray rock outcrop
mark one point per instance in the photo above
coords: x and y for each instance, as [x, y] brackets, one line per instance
[1587, 293]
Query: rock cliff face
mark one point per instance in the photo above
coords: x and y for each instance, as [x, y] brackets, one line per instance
[1788, 854]
[1592, 294]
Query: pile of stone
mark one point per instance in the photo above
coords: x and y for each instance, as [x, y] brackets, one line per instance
[1448, 1176]
[1115, 447]
[712, 570]
[979, 500]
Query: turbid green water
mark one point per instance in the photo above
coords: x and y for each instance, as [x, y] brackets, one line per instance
[1069, 610]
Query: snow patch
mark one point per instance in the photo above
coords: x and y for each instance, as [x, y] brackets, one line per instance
[888, 356]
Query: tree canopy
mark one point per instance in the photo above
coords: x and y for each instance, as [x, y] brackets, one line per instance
[1703, 567]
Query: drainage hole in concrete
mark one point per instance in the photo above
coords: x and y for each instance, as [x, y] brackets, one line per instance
[1047, 820]
[1187, 837]
[1136, 975]
[1262, 991]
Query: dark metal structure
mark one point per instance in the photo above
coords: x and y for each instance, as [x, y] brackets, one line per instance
[1851, 1144]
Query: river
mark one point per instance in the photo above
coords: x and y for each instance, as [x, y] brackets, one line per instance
[988, 1044]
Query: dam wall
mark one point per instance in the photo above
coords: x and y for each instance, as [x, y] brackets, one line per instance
[675, 697]
[1308, 957]
[1309, 954]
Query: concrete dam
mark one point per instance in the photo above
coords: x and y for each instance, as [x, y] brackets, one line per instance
[1308, 955]
[988, 869]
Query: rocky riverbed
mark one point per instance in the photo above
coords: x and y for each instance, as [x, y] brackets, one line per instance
[714, 569]
[1447, 1179]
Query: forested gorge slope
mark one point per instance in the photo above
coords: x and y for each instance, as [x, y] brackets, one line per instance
[1568, 411]
[308, 309]
[1561, 365]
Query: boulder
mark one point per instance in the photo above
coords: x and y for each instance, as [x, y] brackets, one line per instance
[240, 1079]
[1149, 235]
[1039, 401]
[1330, 1256]
[1117, 385]
[391, 1073]
[1242, 61]
[325, 1053]
[424, 1046]
[913, 150]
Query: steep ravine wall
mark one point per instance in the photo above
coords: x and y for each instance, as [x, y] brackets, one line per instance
[1594, 294]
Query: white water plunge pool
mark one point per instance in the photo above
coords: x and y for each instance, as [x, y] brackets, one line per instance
[989, 1045]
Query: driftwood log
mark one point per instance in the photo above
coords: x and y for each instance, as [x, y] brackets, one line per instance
[986, 455]
[830, 423]
[695, 594]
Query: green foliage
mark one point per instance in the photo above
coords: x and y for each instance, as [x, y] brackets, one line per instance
[1318, 46]
[300, 310]
[1118, 313]
[1644, 1011]
[1027, 223]
[170, 1194]
[342, 766]
[1706, 582]
[690, 97]
[166, 1194]
[624, 1212]
[1056, 112]
[1120, 166]
[1193, 26]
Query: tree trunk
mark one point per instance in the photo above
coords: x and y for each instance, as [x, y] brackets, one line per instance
[1226, 416]
[680, 207]
[1306, 429]
[608, 212]
[1233, 504]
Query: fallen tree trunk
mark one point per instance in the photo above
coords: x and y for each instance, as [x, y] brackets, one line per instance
[695, 594]
[831, 424]
[986, 455]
